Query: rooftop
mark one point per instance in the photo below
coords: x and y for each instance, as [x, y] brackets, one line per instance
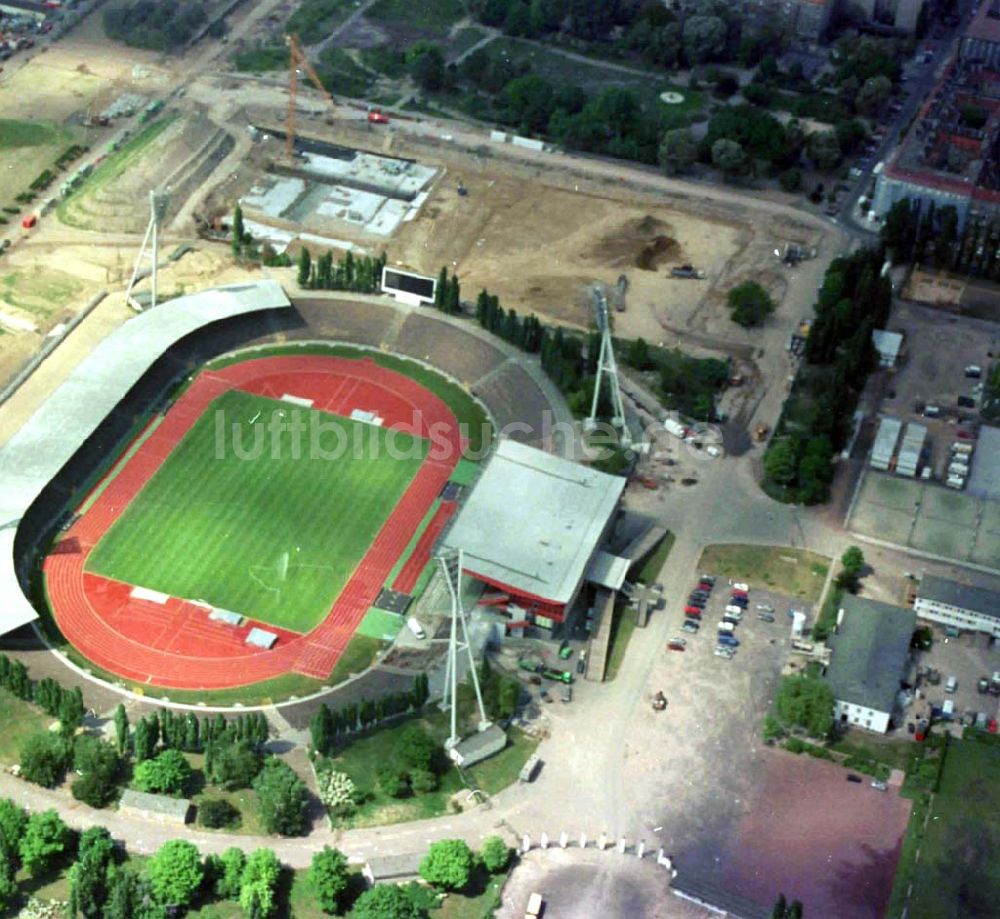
[157, 804]
[534, 520]
[65, 421]
[984, 477]
[393, 867]
[965, 596]
[871, 651]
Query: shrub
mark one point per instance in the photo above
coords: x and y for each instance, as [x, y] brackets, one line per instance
[217, 812]
[167, 774]
[337, 792]
[45, 758]
[495, 854]
[449, 864]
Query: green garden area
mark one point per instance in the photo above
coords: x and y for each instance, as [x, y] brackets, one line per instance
[793, 572]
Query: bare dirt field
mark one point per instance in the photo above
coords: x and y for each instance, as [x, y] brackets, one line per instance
[831, 843]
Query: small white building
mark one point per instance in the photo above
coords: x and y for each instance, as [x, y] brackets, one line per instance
[961, 606]
[870, 659]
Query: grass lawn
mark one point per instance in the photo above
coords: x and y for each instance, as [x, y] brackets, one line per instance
[243, 799]
[28, 134]
[894, 753]
[467, 411]
[794, 572]
[959, 874]
[358, 655]
[363, 756]
[73, 209]
[465, 39]
[39, 290]
[435, 16]
[593, 78]
[20, 721]
[478, 906]
[269, 533]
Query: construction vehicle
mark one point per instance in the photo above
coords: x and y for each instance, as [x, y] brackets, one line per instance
[760, 432]
[375, 116]
[659, 702]
[297, 59]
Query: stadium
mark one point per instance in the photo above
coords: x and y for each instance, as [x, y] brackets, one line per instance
[231, 488]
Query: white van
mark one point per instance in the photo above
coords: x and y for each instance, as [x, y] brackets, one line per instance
[951, 685]
[733, 610]
[414, 626]
[726, 627]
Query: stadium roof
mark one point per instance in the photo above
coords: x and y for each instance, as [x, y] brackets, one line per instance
[64, 422]
[871, 649]
[534, 520]
[964, 596]
[984, 478]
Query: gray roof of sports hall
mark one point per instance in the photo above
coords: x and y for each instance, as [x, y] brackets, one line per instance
[64, 422]
[534, 520]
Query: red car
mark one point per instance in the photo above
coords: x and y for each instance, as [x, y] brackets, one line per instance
[741, 593]
[991, 726]
[676, 644]
[705, 586]
[692, 611]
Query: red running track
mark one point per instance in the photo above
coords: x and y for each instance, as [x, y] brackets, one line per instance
[174, 644]
[410, 573]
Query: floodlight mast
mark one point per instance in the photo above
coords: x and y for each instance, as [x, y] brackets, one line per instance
[150, 247]
[451, 568]
[606, 368]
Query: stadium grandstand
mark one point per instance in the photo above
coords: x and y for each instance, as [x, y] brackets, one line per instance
[65, 424]
[533, 528]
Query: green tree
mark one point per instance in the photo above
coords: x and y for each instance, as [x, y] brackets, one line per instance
[784, 910]
[167, 774]
[46, 838]
[88, 888]
[238, 230]
[305, 267]
[234, 765]
[283, 798]
[13, 820]
[704, 38]
[8, 878]
[229, 873]
[386, 901]
[448, 864]
[71, 709]
[853, 560]
[728, 156]
[98, 764]
[873, 94]
[121, 729]
[415, 749]
[790, 180]
[495, 854]
[749, 304]
[259, 884]
[899, 230]
[45, 758]
[176, 872]
[824, 149]
[678, 151]
[328, 878]
[426, 65]
[805, 702]
[781, 461]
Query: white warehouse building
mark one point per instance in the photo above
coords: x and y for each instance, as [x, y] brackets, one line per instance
[961, 606]
[870, 661]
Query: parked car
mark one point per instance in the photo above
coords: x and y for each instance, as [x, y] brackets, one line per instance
[879, 786]
[765, 607]
[696, 602]
[983, 685]
[951, 685]
[739, 586]
[705, 586]
[698, 592]
[854, 778]
[730, 640]
[677, 644]
[739, 592]
[741, 602]
[765, 617]
[708, 578]
[692, 611]
[689, 626]
[723, 651]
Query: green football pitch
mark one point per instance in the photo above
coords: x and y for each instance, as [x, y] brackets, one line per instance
[274, 536]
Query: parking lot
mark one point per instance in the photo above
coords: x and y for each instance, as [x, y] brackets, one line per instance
[937, 347]
[967, 658]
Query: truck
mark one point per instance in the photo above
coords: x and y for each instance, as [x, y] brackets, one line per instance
[672, 426]
[414, 626]
[688, 272]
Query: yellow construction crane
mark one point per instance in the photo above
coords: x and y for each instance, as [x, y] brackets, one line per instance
[297, 59]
